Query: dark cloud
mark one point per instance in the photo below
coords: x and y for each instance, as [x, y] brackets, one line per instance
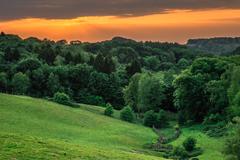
[61, 9]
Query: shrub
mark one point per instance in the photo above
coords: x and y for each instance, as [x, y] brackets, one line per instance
[109, 110]
[180, 153]
[150, 118]
[232, 144]
[213, 119]
[189, 144]
[181, 118]
[127, 114]
[61, 98]
[162, 119]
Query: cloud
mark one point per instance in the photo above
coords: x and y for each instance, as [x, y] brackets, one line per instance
[64, 9]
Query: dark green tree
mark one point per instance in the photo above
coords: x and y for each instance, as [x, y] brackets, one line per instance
[150, 118]
[20, 83]
[133, 67]
[3, 82]
[53, 84]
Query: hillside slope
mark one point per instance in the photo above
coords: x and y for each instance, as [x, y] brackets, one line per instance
[37, 129]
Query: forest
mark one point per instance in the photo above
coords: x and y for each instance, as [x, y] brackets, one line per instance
[150, 83]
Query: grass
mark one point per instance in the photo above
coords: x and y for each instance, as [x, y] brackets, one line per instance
[212, 147]
[38, 129]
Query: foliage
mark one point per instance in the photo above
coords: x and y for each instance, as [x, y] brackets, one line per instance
[180, 153]
[133, 67]
[127, 114]
[201, 90]
[20, 83]
[150, 118]
[162, 119]
[189, 144]
[28, 64]
[232, 145]
[3, 81]
[109, 110]
[130, 93]
[145, 92]
[53, 84]
[61, 98]
[233, 92]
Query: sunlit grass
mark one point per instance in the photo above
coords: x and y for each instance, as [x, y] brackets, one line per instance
[38, 129]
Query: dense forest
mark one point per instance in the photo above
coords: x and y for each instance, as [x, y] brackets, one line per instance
[150, 82]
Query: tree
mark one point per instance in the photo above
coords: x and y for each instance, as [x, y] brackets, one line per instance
[3, 82]
[53, 84]
[234, 83]
[47, 52]
[59, 60]
[218, 97]
[232, 144]
[28, 64]
[109, 110]
[150, 92]
[11, 54]
[131, 93]
[162, 119]
[183, 64]
[20, 83]
[38, 78]
[134, 67]
[189, 96]
[125, 54]
[152, 63]
[127, 114]
[107, 86]
[189, 144]
[104, 64]
[150, 118]
[197, 88]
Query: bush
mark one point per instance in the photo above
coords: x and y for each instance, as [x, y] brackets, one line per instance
[162, 120]
[189, 144]
[180, 153]
[109, 110]
[216, 130]
[213, 119]
[150, 118]
[181, 118]
[61, 98]
[127, 114]
[87, 98]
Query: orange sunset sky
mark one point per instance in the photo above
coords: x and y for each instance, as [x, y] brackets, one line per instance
[175, 24]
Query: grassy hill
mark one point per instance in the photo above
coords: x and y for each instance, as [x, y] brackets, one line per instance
[37, 129]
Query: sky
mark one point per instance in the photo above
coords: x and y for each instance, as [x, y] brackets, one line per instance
[142, 20]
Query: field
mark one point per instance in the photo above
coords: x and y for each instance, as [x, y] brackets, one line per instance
[38, 129]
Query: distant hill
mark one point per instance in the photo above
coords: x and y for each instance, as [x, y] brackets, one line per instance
[221, 45]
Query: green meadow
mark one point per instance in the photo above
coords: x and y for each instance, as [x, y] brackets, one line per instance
[38, 129]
